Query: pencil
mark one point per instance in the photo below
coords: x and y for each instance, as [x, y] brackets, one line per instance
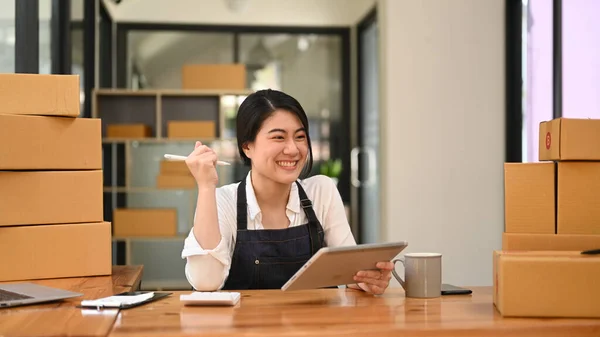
[176, 157]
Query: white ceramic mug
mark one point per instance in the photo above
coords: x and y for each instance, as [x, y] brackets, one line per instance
[422, 274]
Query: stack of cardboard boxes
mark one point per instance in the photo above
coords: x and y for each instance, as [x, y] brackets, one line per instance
[555, 204]
[552, 214]
[51, 207]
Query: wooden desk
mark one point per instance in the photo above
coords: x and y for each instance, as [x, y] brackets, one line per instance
[62, 318]
[341, 313]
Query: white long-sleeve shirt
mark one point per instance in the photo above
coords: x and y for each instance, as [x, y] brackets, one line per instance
[207, 269]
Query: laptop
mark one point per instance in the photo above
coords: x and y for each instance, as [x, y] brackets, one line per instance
[12, 295]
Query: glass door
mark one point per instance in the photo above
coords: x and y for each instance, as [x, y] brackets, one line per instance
[365, 156]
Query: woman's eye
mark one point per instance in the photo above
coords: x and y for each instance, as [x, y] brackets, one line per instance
[301, 137]
[278, 137]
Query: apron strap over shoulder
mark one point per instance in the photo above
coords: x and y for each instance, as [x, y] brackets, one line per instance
[313, 222]
[242, 212]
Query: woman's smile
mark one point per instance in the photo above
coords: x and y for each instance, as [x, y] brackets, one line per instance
[287, 164]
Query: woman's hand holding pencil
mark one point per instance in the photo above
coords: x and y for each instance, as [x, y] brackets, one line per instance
[202, 164]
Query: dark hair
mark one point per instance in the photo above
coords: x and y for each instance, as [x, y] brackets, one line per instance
[259, 106]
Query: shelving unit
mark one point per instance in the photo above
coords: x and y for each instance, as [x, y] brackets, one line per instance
[131, 166]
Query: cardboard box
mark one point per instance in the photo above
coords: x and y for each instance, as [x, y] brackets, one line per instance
[50, 197]
[55, 251]
[214, 76]
[569, 139]
[128, 131]
[191, 129]
[176, 181]
[35, 94]
[549, 242]
[149, 222]
[546, 284]
[172, 167]
[529, 198]
[578, 198]
[50, 143]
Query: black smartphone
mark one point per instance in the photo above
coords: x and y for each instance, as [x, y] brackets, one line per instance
[132, 293]
[448, 289]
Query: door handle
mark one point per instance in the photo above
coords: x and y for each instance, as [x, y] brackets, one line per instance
[354, 167]
[371, 166]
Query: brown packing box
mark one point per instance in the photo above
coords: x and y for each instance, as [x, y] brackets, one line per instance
[175, 181]
[174, 167]
[214, 76]
[569, 139]
[549, 242]
[128, 131]
[546, 284]
[191, 129]
[529, 197]
[55, 251]
[35, 94]
[50, 197]
[148, 222]
[49, 143]
[578, 199]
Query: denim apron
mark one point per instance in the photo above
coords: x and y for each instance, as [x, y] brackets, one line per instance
[268, 258]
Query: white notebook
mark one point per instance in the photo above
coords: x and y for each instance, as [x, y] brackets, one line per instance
[117, 301]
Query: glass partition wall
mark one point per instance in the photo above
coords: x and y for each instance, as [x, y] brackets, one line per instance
[306, 66]
[310, 64]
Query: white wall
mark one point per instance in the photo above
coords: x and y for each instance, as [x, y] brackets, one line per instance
[443, 131]
[257, 12]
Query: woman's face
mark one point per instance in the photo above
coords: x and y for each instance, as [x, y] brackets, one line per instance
[280, 149]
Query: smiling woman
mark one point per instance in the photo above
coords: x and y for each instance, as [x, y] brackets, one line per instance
[275, 141]
[257, 233]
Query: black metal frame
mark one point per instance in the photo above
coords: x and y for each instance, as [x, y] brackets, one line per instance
[363, 24]
[557, 59]
[340, 140]
[89, 54]
[341, 148]
[27, 41]
[105, 33]
[514, 82]
[60, 44]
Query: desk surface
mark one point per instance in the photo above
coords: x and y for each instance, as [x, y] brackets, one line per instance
[341, 313]
[62, 318]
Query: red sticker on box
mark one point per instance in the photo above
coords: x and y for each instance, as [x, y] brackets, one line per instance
[548, 140]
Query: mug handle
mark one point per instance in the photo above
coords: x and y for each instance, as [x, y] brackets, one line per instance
[400, 280]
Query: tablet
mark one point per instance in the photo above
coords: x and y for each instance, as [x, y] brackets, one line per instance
[333, 266]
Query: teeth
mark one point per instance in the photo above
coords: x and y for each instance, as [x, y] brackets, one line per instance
[286, 163]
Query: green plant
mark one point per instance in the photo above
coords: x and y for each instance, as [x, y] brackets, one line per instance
[331, 168]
